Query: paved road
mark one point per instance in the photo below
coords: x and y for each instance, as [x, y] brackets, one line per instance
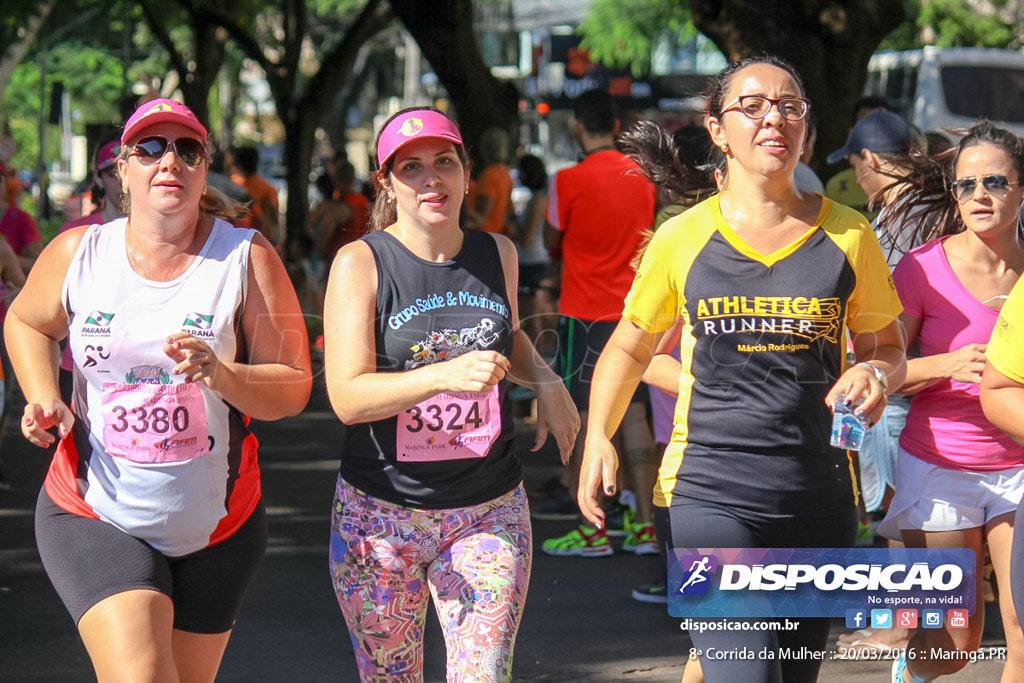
[580, 622]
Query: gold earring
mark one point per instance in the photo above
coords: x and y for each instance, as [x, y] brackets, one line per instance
[205, 188]
[725, 149]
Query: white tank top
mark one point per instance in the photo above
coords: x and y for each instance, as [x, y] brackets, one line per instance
[146, 462]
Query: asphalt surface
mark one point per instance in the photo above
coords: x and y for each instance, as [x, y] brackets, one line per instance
[580, 624]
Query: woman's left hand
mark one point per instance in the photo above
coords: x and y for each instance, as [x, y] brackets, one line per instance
[859, 382]
[194, 358]
[555, 411]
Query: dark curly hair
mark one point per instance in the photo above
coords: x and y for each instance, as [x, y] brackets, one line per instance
[925, 208]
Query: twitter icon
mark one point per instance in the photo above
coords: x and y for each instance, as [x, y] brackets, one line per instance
[881, 618]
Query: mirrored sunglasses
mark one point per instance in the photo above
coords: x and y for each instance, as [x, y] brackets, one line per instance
[995, 184]
[150, 150]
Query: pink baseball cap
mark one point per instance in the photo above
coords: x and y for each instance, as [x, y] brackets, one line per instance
[159, 111]
[107, 154]
[415, 124]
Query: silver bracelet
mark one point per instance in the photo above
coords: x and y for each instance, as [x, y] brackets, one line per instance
[880, 375]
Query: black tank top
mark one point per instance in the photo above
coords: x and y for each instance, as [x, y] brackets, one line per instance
[428, 313]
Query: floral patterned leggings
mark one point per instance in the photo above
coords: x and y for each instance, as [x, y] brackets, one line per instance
[475, 562]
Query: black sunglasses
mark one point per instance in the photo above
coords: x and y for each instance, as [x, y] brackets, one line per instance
[150, 150]
[995, 184]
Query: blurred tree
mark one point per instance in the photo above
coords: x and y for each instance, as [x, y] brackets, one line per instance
[829, 42]
[196, 53]
[624, 33]
[304, 75]
[76, 49]
[20, 23]
[963, 23]
[444, 32]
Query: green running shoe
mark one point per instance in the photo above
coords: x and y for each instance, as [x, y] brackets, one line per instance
[584, 540]
[641, 540]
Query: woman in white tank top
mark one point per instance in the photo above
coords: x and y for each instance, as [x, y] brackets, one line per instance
[167, 315]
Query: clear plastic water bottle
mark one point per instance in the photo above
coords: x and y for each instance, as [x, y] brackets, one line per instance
[847, 428]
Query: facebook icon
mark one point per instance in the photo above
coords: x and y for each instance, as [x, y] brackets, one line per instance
[856, 618]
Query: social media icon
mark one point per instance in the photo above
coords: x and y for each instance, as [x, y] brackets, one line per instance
[957, 618]
[856, 618]
[906, 618]
[881, 618]
[931, 618]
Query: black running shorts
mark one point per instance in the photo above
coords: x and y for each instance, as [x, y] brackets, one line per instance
[88, 560]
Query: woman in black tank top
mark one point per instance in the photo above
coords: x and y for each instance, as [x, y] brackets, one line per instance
[422, 338]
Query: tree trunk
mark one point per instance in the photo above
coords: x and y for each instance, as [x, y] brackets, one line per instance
[208, 45]
[300, 105]
[444, 32]
[298, 156]
[829, 43]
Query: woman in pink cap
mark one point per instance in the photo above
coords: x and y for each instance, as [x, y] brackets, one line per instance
[422, 338]
[105, 189]
[150, 523]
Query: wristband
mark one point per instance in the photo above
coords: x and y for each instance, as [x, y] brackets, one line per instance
[880, 375]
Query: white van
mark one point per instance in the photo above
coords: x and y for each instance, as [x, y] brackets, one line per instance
[936, 88]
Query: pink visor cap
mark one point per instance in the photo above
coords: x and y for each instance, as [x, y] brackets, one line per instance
[414, 125]
[160, 111]
[107, 154]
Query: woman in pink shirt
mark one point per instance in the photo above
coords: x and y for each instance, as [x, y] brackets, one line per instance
[959, 478]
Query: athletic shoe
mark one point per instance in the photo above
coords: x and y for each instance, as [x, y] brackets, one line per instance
[899, 666]
[618, 520]
[562, 508]
[585, 541]
[641, 540]
[655, 593]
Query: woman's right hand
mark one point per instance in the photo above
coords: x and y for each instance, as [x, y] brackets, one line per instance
[473, 371]
[966, 363]
[600, 462]
[39, 418]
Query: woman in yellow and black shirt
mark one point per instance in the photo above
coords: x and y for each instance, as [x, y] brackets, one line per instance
[766, 281]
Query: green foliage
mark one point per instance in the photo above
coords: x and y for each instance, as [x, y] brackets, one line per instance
[959, 23]
[952, 23]
[93, 78]
[624, 33]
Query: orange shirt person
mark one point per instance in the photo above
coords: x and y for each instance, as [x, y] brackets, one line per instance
[264, 214]
[490, 197]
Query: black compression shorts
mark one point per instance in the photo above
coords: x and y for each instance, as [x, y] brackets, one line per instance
[88, 560]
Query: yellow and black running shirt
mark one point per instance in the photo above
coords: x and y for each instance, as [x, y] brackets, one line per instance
[762, 344]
